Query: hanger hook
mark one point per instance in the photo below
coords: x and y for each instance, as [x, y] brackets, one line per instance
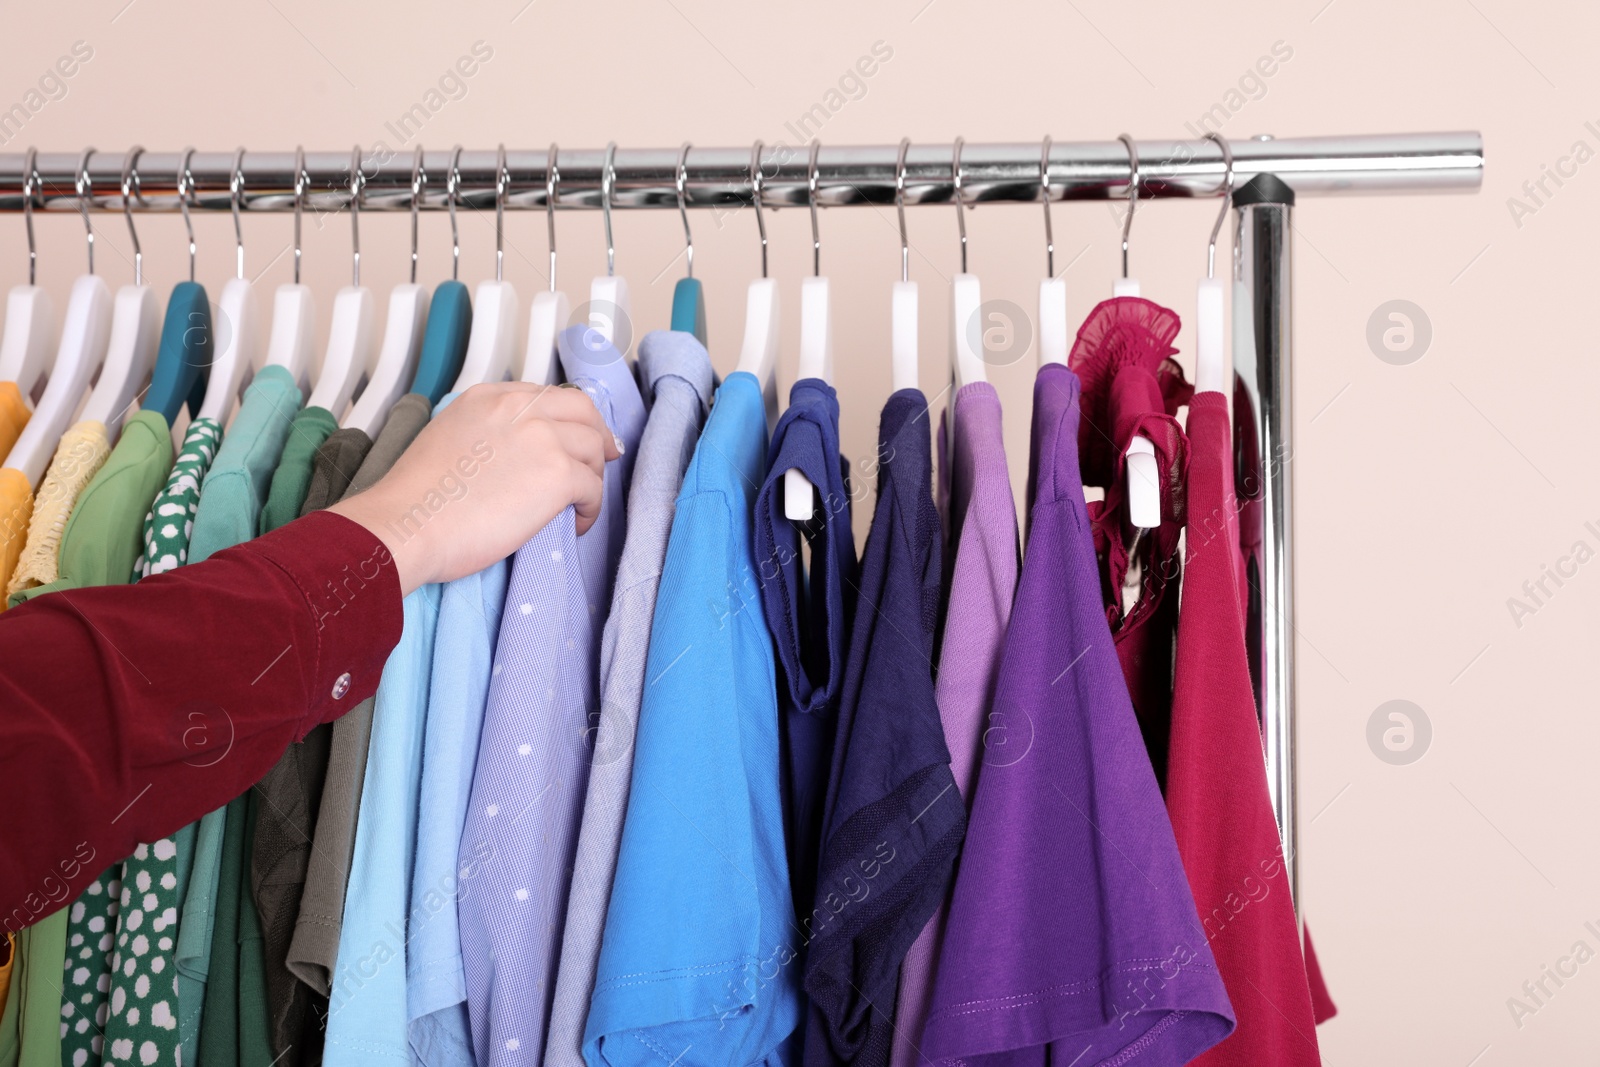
[961, 215]
[452, 192]
[756, 181]
[502, 183]
[419, 182]
[130, 183]
[30, 184]
[811, 188]
[900, 208]
[301, 180]
[1226, 190]
[1133, 195]
[185, 191]
[358, 188]
[85, 196]
[235, 195]
[683, 205]
[552, 183]
[608, 184]
[1238, 246]
[1044, 189]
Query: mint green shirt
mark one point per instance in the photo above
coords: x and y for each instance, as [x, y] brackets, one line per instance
[231, 498]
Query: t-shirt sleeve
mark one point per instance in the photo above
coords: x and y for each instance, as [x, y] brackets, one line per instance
[289, 631]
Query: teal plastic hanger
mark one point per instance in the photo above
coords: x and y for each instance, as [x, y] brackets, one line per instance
[689, 308]
[183, 362]
[444, 345]
[688, 296]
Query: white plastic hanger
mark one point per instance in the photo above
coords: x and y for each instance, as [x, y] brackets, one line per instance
[903, 306]
[816, 349]
[350, 334]
[758, 354]
[293, 318]
[551, 309]
[966, 299]
[608, 294]
[1053, 346]
[30, 319]
[236, 354]
[1140, 471]
[84, 333]
[135, 329]
[494, 313]
[391, 375]
[1209, 366]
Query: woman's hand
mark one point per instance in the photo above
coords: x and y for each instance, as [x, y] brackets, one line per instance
[484, 476]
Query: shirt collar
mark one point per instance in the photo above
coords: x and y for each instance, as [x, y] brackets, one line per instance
[665, 353]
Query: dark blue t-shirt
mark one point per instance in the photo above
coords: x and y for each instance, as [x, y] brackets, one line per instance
[808, 610]
[894, 820]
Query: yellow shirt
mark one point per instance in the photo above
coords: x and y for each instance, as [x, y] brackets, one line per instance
[10, 950]
[80, 454]
[16, 507]
[13, 416]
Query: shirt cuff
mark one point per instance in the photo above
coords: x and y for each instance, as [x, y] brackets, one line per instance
[352, 595]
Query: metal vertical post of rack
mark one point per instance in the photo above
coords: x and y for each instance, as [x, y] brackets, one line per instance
[1264, 414]
[1269, 173]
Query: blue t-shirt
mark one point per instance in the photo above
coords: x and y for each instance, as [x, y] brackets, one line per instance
[699, 963]
[893, 820]
[809, 614]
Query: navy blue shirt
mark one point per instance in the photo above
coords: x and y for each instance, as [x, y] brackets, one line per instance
[808, 613]
[894, 820]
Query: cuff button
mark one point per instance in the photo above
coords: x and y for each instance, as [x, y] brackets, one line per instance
[341, 685]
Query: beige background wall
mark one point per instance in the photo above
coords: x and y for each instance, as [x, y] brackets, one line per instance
[1428, 492]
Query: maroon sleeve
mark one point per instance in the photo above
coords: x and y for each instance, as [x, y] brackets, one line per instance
[127, 712]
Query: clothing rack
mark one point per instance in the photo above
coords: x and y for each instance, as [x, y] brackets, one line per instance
[1269, 174]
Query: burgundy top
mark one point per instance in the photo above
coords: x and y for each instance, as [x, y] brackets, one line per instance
[1131, 387]
[133, 710]
[1217, 781]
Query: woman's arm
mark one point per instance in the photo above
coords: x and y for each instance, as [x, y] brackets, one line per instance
[129, 711]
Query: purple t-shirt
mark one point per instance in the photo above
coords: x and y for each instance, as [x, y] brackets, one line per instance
[1073, 937]
[983, 561]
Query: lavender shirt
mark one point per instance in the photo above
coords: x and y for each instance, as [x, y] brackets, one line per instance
[676, 370]
[1072, 936]
[533, 756]
[982, 517]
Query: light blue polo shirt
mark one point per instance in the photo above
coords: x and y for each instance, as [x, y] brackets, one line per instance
[698, 964]
[463, 655]
[367, 991]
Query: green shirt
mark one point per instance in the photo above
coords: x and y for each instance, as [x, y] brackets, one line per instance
[219, 1027]
[231, 498]
[293, 477]
[36, 990]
